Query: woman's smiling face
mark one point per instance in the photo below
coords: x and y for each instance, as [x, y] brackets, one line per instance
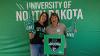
[54, 20]
[43, 17]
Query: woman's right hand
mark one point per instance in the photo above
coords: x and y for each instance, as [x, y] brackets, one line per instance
[31, 35]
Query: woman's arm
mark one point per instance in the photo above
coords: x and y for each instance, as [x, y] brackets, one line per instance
[31, 35]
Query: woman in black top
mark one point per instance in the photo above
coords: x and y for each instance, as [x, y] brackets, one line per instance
[36, 39]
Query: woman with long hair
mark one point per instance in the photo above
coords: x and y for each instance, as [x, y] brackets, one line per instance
[36, 39]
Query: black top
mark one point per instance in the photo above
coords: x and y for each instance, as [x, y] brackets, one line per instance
[39, 36]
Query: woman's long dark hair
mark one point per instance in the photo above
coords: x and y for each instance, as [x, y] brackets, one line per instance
[46, 22]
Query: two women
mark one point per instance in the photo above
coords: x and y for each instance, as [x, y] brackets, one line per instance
[36, 39]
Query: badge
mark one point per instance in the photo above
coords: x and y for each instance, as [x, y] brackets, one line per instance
[58, 30]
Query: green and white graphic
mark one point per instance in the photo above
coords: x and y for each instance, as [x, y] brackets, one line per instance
[54, 44]
[29, 11]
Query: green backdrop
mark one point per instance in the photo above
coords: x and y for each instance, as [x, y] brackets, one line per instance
[14, 38]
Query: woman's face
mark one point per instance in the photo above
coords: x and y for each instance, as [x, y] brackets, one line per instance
[54, 20]
[43, 18]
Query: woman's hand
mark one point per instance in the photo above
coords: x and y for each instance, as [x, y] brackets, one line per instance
[43, 40]
[31, 35]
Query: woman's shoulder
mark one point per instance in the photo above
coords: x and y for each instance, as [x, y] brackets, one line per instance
[62, 24]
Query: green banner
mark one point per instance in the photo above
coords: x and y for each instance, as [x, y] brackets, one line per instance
[81, 18]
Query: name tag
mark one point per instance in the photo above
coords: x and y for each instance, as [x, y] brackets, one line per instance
[58, 30]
